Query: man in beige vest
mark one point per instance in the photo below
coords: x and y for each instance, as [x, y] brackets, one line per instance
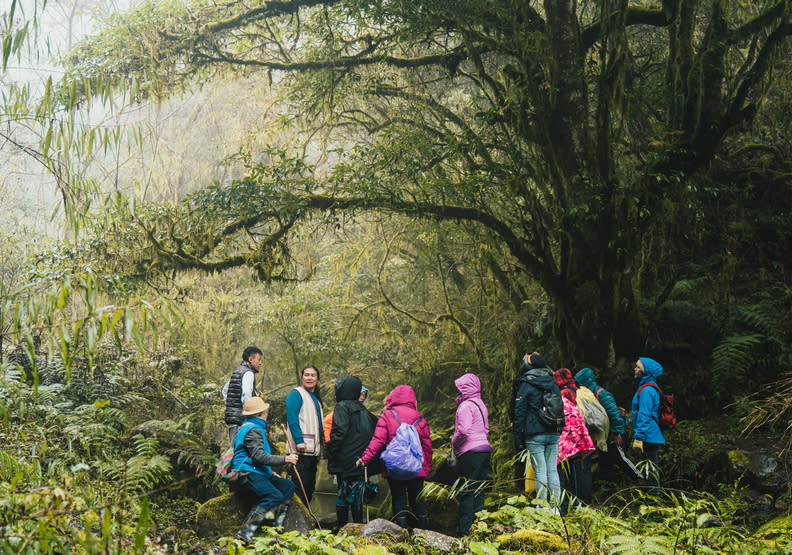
[304, 431]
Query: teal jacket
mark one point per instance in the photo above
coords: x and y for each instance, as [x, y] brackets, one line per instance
[585, 377]
[646, 407]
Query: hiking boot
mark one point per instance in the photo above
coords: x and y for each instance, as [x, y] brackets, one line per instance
[400, 520]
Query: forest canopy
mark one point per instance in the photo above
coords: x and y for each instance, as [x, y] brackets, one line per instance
[581, 139]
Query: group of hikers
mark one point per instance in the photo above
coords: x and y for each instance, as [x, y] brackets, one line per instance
[397, 444]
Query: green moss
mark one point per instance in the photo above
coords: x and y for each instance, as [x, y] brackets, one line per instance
[738, 458]
[534, 539]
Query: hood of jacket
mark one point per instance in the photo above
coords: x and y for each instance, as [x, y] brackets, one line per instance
[585, 377]
[348, 388]
[652, 369]
[401, 395]
[563, 379]
[540, 377]
[469, 387]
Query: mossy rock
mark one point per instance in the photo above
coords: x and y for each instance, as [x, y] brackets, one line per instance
[528, 539]
[222, 516]
[776, 534]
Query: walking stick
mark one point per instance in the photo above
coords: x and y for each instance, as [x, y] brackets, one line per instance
[365, 483]
[293, 449]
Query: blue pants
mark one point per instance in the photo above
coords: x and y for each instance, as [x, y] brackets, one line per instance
[266, 491]
[544, 455]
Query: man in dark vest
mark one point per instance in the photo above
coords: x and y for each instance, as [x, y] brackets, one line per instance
[239, 388]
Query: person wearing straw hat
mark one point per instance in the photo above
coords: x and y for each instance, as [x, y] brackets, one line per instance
[253, 460]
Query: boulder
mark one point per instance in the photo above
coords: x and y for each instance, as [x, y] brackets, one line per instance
[222, 516]
[760, 469]
[435, 540]
[378, 526]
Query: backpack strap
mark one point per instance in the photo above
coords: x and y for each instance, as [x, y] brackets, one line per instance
[399, 419]
[657, 387]
[660, 391]
[483, 420]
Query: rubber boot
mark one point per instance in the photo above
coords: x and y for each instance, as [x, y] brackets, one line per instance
[280, 516]
[251, 525]
[422, 521]
[357, 513]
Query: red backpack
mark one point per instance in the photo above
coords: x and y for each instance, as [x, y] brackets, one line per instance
[666, 417]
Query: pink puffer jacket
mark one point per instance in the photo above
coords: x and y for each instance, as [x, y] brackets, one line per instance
[575, 437]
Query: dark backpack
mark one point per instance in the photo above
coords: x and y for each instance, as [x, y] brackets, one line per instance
[551, 411]
[666, 418]
[403, 457]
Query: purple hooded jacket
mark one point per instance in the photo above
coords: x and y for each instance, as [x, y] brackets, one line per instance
[472, 418]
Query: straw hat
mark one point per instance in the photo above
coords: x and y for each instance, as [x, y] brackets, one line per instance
[255, 405]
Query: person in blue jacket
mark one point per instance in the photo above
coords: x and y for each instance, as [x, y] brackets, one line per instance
[647, 436]
[614, 457]
[259, 485]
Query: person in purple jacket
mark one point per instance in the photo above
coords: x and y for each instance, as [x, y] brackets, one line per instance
[471, 449]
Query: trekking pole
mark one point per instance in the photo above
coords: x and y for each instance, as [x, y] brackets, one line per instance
[293, 449]
[365, 482]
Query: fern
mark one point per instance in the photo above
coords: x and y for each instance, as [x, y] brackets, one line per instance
[144, 471]
[641, 544]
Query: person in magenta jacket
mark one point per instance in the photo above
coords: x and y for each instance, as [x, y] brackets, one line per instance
[402, 400]
[471, 448]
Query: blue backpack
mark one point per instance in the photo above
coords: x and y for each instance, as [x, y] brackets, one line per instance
[403, 457]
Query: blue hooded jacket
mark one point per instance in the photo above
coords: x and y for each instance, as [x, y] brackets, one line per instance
[646, 407]
[585, 377]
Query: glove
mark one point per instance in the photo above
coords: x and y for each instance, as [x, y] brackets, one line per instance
[637, 445]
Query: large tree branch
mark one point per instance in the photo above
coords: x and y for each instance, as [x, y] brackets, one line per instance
[635, 16]
[445, 59]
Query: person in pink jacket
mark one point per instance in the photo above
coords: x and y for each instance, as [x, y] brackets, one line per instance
[402, 401]
[574, 464]
[471, 448]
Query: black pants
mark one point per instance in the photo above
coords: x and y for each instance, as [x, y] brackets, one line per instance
[306, 466]
[575, 478]
[474, 468]
[404, 492]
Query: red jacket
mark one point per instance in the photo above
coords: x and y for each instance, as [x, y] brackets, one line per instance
[402, 400]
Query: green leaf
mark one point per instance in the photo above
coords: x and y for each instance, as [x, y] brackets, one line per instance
[483, 548]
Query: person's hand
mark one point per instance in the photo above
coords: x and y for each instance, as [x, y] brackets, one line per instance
[302, 447]
[617, 439]
[292, 459]
[358, 463]
[637, 445]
